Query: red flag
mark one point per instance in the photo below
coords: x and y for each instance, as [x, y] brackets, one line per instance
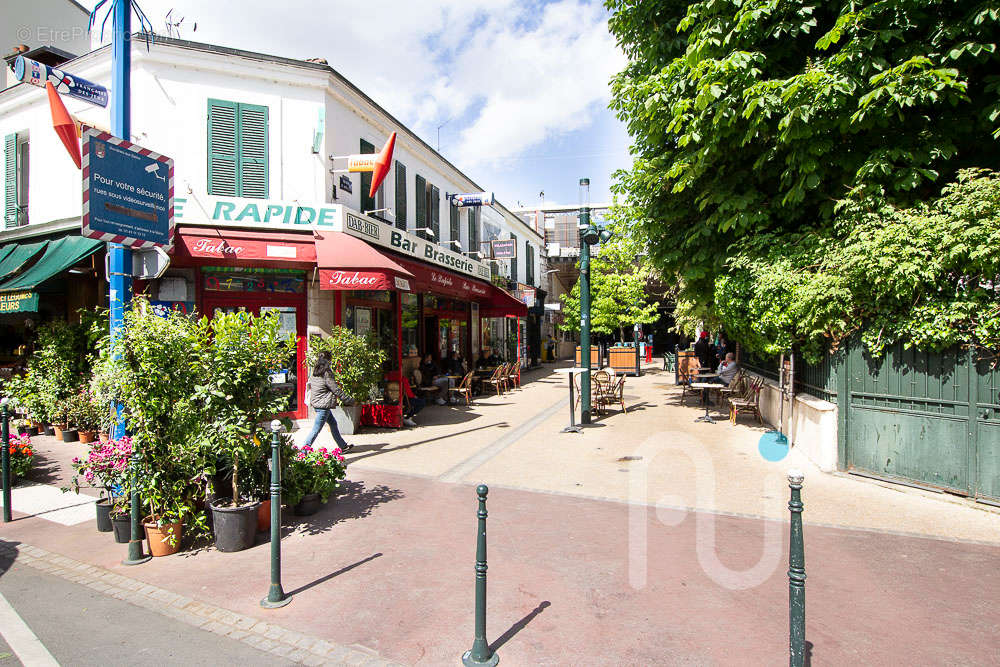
[63, 124]
[382, 164]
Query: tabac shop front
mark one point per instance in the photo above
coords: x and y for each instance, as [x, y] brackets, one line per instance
[337, 267]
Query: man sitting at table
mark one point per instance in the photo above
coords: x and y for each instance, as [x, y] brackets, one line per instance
[455, 366]
[728, 369]
[487, 360]
[432, 375]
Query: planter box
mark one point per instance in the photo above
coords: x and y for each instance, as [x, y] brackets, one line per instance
[348, 418]
[622, 359]
[595, 356]
[386, 416]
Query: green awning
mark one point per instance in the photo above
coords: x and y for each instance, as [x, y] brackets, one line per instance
[17, 255]
[59, 256]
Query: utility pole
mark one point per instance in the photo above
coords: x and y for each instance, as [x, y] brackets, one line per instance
[584, 227]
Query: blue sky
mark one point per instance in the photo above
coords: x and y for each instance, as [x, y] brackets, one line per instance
[520, 87]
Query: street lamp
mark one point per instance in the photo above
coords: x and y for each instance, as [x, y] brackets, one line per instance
[590, 234]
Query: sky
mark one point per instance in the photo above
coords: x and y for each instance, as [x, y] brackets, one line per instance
[519, 89]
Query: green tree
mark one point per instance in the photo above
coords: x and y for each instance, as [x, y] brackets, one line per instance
[753, 118]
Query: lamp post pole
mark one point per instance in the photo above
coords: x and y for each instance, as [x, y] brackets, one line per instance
[584, 301]
[5, 454]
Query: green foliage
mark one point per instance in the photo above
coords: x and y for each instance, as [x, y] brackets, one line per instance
[619, 276]
[356, 361]
[752, 119]
[55, 372]
[928, 275]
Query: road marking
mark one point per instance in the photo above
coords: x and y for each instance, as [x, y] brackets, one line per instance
[456, 473]
[21, 640]
[50, 503]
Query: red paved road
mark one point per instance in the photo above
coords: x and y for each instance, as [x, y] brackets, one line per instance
[390, 567]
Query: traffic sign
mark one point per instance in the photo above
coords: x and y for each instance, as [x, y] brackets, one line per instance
[128, 192]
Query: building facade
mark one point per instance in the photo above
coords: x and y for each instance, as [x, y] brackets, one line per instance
[265, 219]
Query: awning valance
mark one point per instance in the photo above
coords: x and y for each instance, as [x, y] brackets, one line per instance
[348, 263]
[502, 304]
[431, 279]
[244, 245]
[59, 256]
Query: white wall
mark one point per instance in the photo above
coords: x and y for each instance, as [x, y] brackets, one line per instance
[36, 23]
[812, 426]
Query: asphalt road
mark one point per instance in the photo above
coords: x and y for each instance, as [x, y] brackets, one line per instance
[80, 626]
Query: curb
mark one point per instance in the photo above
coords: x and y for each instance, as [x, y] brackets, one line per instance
[268, 637]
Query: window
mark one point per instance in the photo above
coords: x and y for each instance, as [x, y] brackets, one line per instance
[474, 231]
[428, 210]
[237, 149]
[529, 264]
[434, 204]
[367, 203]
[455, 231]
[400, 196]
[421, 202]
[15, 164]
[513, 260]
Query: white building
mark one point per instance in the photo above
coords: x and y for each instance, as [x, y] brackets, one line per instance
[252, 136]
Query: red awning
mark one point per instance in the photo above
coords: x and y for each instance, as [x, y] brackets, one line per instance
[502, 304]
[348, 263]
[242, 244]
[494, 301]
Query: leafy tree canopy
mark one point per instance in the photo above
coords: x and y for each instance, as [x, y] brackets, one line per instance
[754, 120]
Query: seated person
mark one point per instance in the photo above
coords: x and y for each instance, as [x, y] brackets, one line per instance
[433, 375]
[487, 360]
[455, 366]
[727, 369]
[412, 404]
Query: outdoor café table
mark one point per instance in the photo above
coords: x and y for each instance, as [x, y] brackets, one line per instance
[570, 372]
[705, 388]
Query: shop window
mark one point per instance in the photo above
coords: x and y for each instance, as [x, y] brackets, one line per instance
[237, 149]
[411, 324]
[15, 210]
[400, 196]
[513, 260]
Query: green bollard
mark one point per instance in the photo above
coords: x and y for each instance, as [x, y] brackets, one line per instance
[480, 654]
[796, 576]
[275, 595]
[5, 457]
[135, 554]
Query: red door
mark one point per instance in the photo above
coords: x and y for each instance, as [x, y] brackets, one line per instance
[291, 379]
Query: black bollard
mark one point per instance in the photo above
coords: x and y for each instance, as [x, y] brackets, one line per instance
[5, 460]
[275, 595]
[796, 576]
[480, 654]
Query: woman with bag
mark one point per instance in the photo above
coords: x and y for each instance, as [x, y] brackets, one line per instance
[324, 395]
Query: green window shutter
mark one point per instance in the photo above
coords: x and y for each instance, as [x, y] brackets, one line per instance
[436, 212]
[367, 203]
[513, 261]
[400, 196]
[223, 167]
[529, 264]
[10, 181]
[455, 230]
[421, 202]
[253, 151]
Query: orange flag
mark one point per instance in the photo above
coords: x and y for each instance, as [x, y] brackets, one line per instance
[382, 164]
[63, 124]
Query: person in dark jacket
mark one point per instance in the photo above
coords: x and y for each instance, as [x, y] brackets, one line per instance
[324, 395]
[703, 350]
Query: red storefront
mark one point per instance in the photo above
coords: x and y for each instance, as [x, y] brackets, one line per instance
[410, 306]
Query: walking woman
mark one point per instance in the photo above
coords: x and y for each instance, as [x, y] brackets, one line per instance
[324, 395]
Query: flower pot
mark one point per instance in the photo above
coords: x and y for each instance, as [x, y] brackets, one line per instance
[348, 418]
[104, 436]
[121, 524]
[235, 528]
[57, 429]
[31, 430]
[87, 437]
[70, 435]
[310, 504]
[264, 516]
[48, 429]
[163, 540]
[103, 506]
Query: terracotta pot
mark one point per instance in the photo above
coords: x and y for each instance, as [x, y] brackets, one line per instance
[155, 535]
[264, 516]
[58, 428]
[104, 436]
[87, 437]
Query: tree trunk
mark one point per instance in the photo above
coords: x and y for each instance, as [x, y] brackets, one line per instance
[236, 472]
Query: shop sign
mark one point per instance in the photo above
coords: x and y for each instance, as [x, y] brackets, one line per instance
[402, 283]
[18, 302]
[527, 296]
[254, 212]
[503, 249]
[473, 199]
[163, 308]
[337, 279]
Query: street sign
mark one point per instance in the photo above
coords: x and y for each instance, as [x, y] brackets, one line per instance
[345, 184]
[473, 199]
[504, 249]
[38, 74]
[128, 192]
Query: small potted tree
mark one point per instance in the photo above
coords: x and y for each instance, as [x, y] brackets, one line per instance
[237, 399]
[88, 415]
[106, 467]
[356, 362]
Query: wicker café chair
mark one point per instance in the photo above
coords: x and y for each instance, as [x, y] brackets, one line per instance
[748, 403]
[498, 380]
[464, 388]
[513, 376]
[600, 382]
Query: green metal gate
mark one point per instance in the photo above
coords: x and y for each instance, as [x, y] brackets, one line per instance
[932, 418]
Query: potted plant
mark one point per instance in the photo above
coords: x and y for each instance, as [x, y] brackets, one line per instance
[22, 456]
[311, 477]
[356, 362]
[88, 415]
[106, 467]
[235, 393]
